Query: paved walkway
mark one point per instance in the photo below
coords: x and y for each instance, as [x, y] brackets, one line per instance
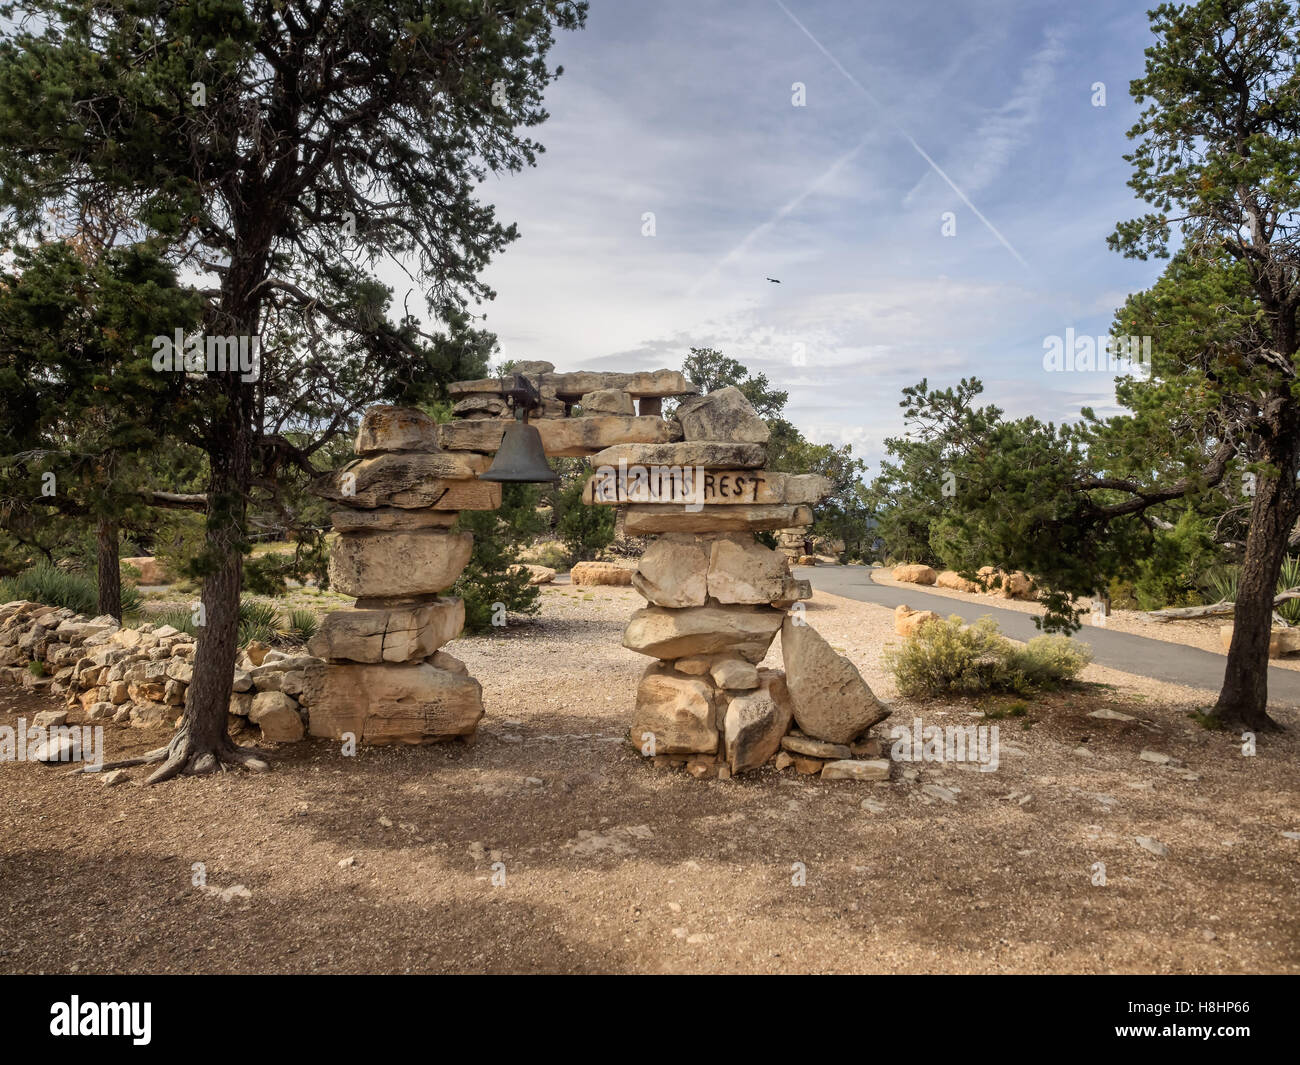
[1141, 655]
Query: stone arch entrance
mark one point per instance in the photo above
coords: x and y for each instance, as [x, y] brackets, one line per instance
[716, 597]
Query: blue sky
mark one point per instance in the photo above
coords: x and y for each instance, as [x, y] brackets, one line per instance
[684, 108]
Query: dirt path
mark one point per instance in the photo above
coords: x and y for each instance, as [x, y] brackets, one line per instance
[611, 866]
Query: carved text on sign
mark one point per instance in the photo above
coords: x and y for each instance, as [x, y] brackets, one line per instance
[673, 484]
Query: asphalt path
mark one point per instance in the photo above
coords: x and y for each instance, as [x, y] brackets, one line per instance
[1157, 659]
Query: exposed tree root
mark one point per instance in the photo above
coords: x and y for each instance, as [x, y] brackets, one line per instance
[187, 757]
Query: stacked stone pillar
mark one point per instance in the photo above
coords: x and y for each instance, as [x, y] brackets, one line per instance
[394, 548]
[717, 597]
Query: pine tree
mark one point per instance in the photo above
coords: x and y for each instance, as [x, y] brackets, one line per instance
[280, 148]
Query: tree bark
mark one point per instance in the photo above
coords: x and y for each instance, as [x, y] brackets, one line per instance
[109, 578]
[1243, 700]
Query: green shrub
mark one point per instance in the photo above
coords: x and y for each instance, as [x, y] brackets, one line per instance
[258, 621]
[949, 658]
[36, 668]
[179, 540]
[302, 625]
[51, 586]
[267, 574]
[1167, 575]
[1050, 661]
[584, 529]
[490, 577]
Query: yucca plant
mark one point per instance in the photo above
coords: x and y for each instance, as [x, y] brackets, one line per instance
[53, 586]
[1289, 578]
[258, 621]
[1219, 584]
[178, 618]
[302, 625]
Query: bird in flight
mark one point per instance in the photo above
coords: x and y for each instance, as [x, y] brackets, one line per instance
[773, 280]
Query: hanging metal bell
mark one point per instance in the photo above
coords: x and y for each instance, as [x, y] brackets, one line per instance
[521, 457]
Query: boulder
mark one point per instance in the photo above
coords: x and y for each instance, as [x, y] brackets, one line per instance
[385, 428]
[1005, 585]
[601, 573]
[646, 518]
[754, 723]
[480, 405]
[607, 401]
[663, 633]
[914, 574]
[151, 569]
[907, 620]
[673, 571]
[423, 562]
[402, 634]
[734, 674]
[277, 716]
[678, 711]
[831, 700]
[1280, 641]
[724, 414]
[952, 579]
[536, 574]
[744, 571]
[389, 703]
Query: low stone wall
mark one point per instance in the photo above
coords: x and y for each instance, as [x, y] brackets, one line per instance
[140, 676]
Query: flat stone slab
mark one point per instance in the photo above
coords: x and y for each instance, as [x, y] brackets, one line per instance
[703, 453]
[645, 518]
[401, 634]
[407, 479]
[573, 386]
[561, 437]
[390, 519]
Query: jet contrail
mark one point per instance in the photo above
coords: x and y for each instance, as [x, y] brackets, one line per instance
[903, 133]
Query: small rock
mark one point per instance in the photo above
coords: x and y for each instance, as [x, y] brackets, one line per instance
[783, 761]
[872, 807]
[347, 863]
[815, 748]
[1082, 752]
[1106, 714]
[1152, 846]
[807, 766]
[115, 776]
[1156, 757]
[939, 792]
[847, 769]
[49, 718]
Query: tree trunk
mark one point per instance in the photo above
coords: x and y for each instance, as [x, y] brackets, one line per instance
[109, 573]
[202, 742]
[1243, 700]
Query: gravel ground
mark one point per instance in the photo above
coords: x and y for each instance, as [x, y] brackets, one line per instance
[385, 862]
[1202, 633]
